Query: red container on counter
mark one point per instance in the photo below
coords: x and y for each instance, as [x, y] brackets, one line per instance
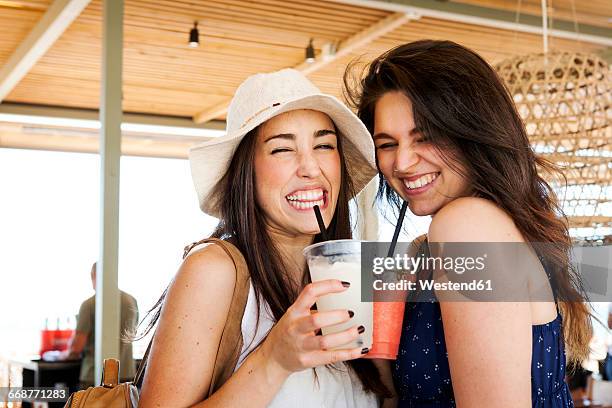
[54, 340]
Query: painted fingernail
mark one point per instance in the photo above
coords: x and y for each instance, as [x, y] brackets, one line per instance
[365, 350]
[351, 313]
[346, 284]
[360, 329]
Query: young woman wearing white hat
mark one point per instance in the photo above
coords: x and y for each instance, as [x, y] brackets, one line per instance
[288, 148]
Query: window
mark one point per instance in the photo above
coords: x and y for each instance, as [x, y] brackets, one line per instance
[49, 235]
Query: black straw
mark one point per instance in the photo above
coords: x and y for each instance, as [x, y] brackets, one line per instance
[321, 223]
[398, 227]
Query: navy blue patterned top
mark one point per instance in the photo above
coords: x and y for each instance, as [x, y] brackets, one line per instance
[421, 372]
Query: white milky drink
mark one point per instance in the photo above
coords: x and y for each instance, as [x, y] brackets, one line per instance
[342, 260]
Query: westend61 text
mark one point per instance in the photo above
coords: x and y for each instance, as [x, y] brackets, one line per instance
[402, 285]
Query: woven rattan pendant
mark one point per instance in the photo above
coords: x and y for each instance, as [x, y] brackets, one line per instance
[565, 100]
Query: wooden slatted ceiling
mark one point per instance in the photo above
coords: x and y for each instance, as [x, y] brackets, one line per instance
[17, 18]
[593, 12]
[162, 75]
[238, 38]
[493, 44]
[16, 24]
[40, 5]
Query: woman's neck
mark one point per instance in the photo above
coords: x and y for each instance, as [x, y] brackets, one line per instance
[290, 248]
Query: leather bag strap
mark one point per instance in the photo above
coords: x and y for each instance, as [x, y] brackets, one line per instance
[110, 373]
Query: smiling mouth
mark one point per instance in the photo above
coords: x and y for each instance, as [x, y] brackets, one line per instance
[420, 183]
[305, 200]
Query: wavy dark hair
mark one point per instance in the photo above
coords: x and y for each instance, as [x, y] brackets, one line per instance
[464, 110]
[243, 223]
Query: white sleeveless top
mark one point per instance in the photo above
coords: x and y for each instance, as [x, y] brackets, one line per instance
[337, 387]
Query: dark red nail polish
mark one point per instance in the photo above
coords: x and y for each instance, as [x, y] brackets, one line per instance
[360, 329]
[346, 284]
[351, 313]
[365, 350]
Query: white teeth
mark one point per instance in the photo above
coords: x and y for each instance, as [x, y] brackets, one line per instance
[421, 181]
[308, 195]
[301, 205]
[306, 199]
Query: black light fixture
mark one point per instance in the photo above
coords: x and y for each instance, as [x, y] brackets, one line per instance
[310, 53]
[194, 36]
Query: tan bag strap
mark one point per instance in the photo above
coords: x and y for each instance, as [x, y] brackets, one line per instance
[231, 336]
[231, 342]
[110, 373]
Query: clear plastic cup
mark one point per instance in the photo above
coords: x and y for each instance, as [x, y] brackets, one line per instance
[341, 259]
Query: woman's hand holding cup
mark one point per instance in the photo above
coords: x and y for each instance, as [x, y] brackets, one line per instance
[293, 344]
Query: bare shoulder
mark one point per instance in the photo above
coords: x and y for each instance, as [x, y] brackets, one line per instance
[202, 287]
[208, 263]
[201, 291]
[473, 219]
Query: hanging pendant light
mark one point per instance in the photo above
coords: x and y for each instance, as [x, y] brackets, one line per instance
[310, 53]
[194, 36]
[565, 101]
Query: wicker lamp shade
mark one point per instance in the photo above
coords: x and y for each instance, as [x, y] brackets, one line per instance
[565, 100]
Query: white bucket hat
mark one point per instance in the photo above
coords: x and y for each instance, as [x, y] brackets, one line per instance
[258, 99]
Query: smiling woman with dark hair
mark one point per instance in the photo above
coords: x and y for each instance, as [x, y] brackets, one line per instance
[450, 143]
[288, 148]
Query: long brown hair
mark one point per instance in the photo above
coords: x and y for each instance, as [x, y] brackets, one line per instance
[461, 106]
[243, 222]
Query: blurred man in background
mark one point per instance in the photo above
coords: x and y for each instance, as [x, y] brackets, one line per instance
[82, 342]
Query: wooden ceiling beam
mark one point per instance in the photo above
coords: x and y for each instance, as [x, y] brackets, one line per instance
[16, 136]
[19, 109]
[53, 23]
[488, 16]
[350, 45]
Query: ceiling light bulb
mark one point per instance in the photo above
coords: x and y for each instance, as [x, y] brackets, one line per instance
[194, 36]
[310, 53]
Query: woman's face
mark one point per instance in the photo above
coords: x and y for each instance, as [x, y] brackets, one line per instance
[411, 165]
[297, 166]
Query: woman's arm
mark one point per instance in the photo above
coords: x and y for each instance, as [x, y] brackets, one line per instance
[488, 343]
[189, 332]
[185, 344]
[489, 353]
[290, 346]
[384, 368]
